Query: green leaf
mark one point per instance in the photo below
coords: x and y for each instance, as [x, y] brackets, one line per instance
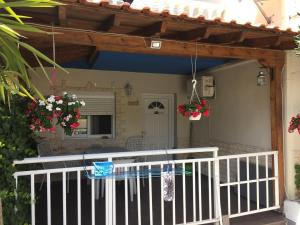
[11, 12]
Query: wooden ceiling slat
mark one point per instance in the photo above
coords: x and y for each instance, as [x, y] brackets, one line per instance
[115, 20]
[110, 22]
[226, 38]
[155, 29]
[193, 35]
[62, 16]
[263, 41]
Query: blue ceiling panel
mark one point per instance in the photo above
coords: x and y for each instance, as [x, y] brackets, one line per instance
[130, 62]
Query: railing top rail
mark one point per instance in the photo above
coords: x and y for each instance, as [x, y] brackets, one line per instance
[247, 155]
[122, 165]
[114, 155]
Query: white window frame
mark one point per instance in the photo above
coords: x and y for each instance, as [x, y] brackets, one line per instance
[85, 95]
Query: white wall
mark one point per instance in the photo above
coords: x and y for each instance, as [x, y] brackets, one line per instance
[129, 117]
[240, 114]
[291, 84]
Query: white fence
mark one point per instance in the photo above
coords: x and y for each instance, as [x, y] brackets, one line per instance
[196, 197]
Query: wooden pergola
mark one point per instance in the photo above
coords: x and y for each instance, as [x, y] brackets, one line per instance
[103, 27]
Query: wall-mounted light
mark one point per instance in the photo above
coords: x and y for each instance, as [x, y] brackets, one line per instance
[128, 89]
[155, 44]
[262, 78]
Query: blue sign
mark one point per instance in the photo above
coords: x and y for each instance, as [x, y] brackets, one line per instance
[103, 169]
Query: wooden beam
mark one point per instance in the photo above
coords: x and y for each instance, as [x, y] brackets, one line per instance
[126, 43]
[155, 29]
[226, 38]
[64, 54]
[111, 22]
[62, 16]
[276, 121]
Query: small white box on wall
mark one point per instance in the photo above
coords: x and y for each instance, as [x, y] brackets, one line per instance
[207, 87]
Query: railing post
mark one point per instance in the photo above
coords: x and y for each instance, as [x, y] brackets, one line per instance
[217, 206]
[109, 199]
[276, 174]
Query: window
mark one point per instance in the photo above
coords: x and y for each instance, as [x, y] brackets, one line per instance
[97, 116]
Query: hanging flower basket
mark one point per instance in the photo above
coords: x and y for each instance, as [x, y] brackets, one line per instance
[194, 110]
[195, 118]
[295, 124]
[65, 109]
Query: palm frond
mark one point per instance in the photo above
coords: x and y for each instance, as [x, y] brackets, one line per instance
[14, 78]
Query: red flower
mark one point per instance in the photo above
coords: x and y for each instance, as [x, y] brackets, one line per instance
[195, 114]
[78, 115]
[187, 114]
[203, 102]
[74, 125]
[52, 129]
[206, 113]
[199, 107]
[57, 98]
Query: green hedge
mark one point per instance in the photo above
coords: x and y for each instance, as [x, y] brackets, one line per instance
[16, 142]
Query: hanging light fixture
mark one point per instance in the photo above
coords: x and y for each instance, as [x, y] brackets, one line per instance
[128, 89]
[262, 78]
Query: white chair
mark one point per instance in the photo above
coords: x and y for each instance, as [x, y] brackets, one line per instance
[135, 143]
[46, 149]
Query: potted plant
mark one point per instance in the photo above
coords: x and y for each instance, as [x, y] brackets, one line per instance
[194, 109]
[294, 124]
[65, 109]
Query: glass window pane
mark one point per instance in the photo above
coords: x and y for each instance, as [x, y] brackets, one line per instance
[83, 127]
[101, 124]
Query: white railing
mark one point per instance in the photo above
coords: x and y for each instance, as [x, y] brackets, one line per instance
[196, 197]
[189, 190]
[254, 178]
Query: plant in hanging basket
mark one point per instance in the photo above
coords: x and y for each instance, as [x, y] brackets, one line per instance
[194, 109]
[65, 108]
[294, 124]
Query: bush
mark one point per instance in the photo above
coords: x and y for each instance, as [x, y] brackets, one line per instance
[16, 142]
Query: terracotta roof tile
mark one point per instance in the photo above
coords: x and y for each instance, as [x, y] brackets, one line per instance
[166, 14]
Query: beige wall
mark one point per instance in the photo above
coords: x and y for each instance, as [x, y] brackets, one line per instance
[291, 84]
[240, 114]
[129, 118]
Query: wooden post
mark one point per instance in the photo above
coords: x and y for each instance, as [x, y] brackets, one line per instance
[1, 215]
[276, 119]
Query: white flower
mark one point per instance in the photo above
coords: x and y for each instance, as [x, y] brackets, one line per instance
[51, 99]
[41, 103]
[71, 103]
[59, 102]
[74, 96]
[65, 93]
[58, 109]
[49, 107]
[70, 116]
[82, 103]
[63, 124]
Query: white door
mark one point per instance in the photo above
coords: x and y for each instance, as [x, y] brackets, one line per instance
[158, 121]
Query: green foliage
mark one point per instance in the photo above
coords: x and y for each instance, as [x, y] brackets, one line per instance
[297, 176]
[16, 142]
[14, 77]
[297, 41]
